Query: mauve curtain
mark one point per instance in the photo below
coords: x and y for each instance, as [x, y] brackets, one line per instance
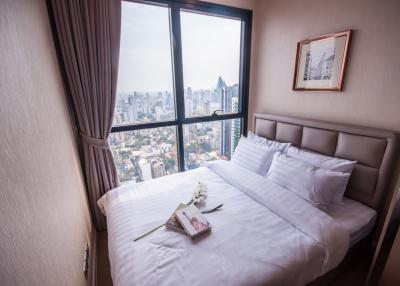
[88, 33]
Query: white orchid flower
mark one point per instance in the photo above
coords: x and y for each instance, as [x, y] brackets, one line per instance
[200, 194]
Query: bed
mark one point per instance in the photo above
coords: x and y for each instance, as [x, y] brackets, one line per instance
[256, 239]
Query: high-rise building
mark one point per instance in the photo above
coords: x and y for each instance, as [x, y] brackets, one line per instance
[169, 101]
[157, 169]
[132, 107]
[145, 170]
[235, 130]
[188, 102]
[225, 94]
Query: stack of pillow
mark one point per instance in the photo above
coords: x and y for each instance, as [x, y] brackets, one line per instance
[319, 179]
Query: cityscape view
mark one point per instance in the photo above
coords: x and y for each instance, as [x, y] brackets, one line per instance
[151, 153]
[145, 90]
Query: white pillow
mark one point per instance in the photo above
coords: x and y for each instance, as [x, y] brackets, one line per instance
[316, 185]
[253, 156]
[322, 161]
[270, 143]
[325, 162]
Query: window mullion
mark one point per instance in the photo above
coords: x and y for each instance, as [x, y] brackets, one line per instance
[245, 47]
[175, 30]
[132, 127]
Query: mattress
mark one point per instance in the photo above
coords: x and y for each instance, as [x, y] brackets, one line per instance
[264, 234]
[356, 218]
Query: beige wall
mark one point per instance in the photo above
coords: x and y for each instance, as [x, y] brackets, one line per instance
[44, 217]
[372, 87]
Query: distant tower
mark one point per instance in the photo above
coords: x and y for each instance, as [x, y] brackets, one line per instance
[225, 95]
[188, 102]
[169, 101]
[235, 130]
[145, 170]
[132, 107]
[157, 169]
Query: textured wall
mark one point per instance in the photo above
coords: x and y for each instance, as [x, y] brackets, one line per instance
[44, 218]
[372, 86]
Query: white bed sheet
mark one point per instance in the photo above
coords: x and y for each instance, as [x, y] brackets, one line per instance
[265, 235]
[358, 219]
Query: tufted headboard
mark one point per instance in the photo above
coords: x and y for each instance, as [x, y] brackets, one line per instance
[375, 150]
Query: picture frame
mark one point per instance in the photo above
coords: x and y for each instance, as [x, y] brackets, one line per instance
[321, 62]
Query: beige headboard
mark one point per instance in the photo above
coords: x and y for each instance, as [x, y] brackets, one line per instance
[375, 150]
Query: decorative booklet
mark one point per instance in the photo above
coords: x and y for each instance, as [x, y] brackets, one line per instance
[193, 221]
[173, 223]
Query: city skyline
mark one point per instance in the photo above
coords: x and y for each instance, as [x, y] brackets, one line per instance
[151, 153]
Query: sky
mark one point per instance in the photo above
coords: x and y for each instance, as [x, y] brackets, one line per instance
[210, 48]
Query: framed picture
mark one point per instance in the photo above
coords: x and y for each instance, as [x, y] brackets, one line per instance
[321, 62]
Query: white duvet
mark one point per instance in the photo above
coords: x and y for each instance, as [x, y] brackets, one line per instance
[263, 235]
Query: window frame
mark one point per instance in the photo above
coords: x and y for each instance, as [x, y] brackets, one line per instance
[175, 6]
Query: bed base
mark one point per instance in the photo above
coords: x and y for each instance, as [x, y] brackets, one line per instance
[360, 251]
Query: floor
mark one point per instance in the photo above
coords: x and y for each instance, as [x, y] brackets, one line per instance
[103, 264]
[355, 276]
[352, 277]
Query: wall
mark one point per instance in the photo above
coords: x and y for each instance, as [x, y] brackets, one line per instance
[371, 90]
[44, 217]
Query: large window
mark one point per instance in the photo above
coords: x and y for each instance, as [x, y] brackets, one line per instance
[182, 86]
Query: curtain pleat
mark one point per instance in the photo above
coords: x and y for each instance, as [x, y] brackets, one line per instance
[88, 32]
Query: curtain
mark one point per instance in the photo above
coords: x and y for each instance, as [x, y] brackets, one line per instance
[88, 37]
